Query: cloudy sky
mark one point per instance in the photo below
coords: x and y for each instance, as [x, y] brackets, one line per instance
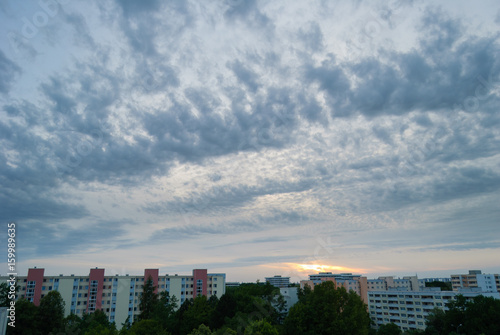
[251, 137]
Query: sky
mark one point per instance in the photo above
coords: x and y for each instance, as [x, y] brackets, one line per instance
[252, 138]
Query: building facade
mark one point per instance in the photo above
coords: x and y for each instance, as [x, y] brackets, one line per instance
[476, 279]
[350, 282]
[290, 296]
[389, 282]
[409, 309]
[278, 281]
[119, 295]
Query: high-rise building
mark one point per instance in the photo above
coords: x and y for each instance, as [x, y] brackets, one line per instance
[350, 282]
[385, 283]
[278, 281]
[409, 309]
[119, 295]
[290, 296]
[476, 279]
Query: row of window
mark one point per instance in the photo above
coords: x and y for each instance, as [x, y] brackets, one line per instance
[116, 279]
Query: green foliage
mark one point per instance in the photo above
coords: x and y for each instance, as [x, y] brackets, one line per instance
[164, 309]
[147, 327]
[481, 315]
[51, 313]
[201, 330]
[27, 322]
[198, 313]
[89, 324]
[226, 308]
[445, 286]
[96, 322]
[414, 332]
[327, 310]
[389, 329]
[4, 295]
[260, 327]
[149, 299]
[226, 331]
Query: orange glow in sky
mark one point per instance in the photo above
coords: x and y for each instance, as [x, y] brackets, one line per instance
[315, 268]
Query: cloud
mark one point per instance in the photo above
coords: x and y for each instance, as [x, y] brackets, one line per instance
[8, 72]
[46, 239]
[242, 119]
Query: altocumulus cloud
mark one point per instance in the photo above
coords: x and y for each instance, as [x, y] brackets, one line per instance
[131, 126]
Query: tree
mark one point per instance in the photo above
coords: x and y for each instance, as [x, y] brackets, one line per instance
[480, 315]
[201, 330]
[4, 295]
[226, 308]
[389, 329]
[164, 310]
[199, 313]
[445, 286]
[147, 327]
[149, 299]
[328, 310]
[435, 322]
[96, 322]
[72, 324]
[125, 326]
[51, 313]
[260, 327]
[26, 319]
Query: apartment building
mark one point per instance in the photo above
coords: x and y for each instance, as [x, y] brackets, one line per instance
[350, 282]
[388, 282]
[119, 295]
[409, 309]
[422, 282]
[290, 296]
[476, 279]
[278, 281]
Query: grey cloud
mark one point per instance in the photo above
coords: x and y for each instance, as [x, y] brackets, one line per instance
[225, 227]
[448, 71]
[189, 231]
[442, 32]
[131, 8]
[8, 72]
[81, 30]
[225, 197]
[244, 75]
[248, 11]
[42, 239]
[312, 36]
[269, 259]
[331, 78]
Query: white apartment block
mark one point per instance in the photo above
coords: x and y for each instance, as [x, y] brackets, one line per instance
[119, 295]
[409, 309]
[290, 296]
[385, 283]
[278, 281]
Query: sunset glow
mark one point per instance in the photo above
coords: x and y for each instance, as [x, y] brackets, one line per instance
[315, 268]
